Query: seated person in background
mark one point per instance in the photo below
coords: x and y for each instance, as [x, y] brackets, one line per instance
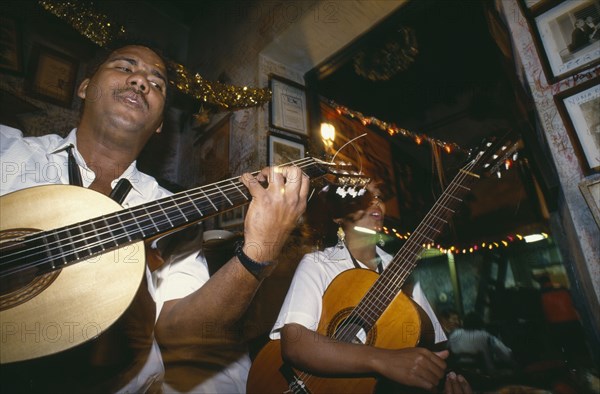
[299, 317]
[473, 346]
[450, 320]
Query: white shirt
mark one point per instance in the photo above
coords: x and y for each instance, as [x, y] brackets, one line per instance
[304, 301]
[463, 341]
[34, 161]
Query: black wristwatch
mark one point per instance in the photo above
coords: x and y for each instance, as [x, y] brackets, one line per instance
[258, 270]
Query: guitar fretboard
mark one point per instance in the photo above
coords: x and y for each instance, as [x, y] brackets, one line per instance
[49, 250]
[390, 282]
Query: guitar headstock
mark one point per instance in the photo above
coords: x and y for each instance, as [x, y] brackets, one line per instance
[349, 181]
[495, 155]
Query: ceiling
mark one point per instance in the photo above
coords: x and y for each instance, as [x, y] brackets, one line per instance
[456, 91]
[457, 72]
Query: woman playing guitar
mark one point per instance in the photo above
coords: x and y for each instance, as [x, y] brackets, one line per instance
[324, 347]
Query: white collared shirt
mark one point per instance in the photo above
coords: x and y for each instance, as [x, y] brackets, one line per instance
[33, 161]
[303, 303]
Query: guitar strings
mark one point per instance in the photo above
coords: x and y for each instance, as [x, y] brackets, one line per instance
[401, 266]
[438, 213]
[218, 199]
[414, 247]
[400, 270]
[181, 196]
[303, 163]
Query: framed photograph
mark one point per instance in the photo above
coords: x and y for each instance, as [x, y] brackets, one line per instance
[287, 110]
[578, 108]
[11, 59]
[232, 218]
[567, 36]
[590, 188]
[212, 150]
[282, 150]
[52, 76]
[531, 6]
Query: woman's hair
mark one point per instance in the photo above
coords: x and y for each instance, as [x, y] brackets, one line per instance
[327, 206]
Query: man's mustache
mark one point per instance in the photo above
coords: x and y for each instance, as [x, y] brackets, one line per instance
[119, 92]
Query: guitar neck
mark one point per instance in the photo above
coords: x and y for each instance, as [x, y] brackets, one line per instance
[62, 246]
[390, 282]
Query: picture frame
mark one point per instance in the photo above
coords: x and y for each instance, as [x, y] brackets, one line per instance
[563, 46]
[52, 75]
[578, 107]
[532, 6]
[232, 218]
[11, 58]
[212, 150]
[590, 188]
[288, 106]
[282, 150]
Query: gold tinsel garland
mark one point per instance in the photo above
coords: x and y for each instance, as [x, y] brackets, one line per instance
[383, 61]
[98, 27]
[223, 95]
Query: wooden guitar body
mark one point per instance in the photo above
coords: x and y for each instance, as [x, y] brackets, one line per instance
[400, 326]
[362, 302]
[72, 260]
[56, 311]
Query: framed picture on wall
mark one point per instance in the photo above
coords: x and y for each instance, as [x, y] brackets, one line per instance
[590, 188]
[232, 218]
[52, 76]
[567, 36]
[11, 59]
[532, 5]
[282, 150]
[212, 149]
[578, 108]
[288, 110]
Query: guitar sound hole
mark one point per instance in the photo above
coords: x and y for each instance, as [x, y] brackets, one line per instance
[352, 332]
[24, 284]
[347, 328]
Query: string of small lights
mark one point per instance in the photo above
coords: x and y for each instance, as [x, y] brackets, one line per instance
[393, 130]
[464, 249]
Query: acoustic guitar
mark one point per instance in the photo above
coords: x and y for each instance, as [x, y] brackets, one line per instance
[71, 259]
[361, 306]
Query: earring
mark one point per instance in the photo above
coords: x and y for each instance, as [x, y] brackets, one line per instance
[341, 237]
[380, 240]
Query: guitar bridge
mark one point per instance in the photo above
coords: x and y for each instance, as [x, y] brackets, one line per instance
[295, 384]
